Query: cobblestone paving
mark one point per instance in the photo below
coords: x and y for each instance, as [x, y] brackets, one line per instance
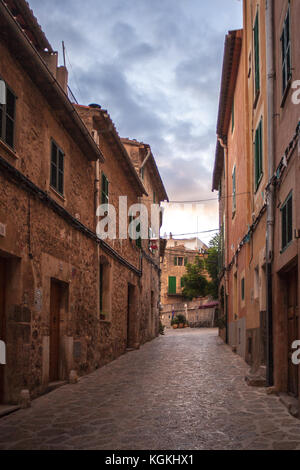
[183, 391]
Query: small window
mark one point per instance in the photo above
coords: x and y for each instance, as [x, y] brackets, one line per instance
[57, 168]
[286, 52]
[256, 55]
[234, 190]
[287, 221]
[7, 118]
[178, 261]
[104, 190]
[258, 155]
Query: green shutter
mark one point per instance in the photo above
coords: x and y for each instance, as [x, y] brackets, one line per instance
[104, 190]
[287, 222]
[172, 285]
[258, 155]
[175, 261]
[256, 55]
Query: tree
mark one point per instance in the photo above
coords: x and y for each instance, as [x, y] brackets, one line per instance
[212, 265]
[195, 283]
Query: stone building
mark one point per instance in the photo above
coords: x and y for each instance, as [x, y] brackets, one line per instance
[286, 132]
[241, 157]
[178, 254]
[256, 174]
[68, 300]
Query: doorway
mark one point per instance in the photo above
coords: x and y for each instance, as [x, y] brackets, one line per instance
[130, 316]
[56, 295]
[2, 321]
[293, 322]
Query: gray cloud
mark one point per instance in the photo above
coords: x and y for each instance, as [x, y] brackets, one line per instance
[156, 66]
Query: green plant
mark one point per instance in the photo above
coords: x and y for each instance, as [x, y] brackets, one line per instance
[221, 323]
[180, 319]
[161, 328]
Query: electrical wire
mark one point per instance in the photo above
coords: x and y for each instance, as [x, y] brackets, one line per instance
[206, 200]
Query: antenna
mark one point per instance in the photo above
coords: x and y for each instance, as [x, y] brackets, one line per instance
[64, 52]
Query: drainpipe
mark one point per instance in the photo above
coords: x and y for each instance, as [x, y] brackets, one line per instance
[223, 144]
[146, 159]
[270, 188]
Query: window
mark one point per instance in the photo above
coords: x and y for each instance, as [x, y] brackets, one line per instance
[172, 285]
[7, 118]
[256, 55]
[258, 150]
[178, 261]
[234, 190]
[104, 190]
[57, 168]
[243, 288]
[232, 116]
[138, 241]
[286, 52]
[287, 221]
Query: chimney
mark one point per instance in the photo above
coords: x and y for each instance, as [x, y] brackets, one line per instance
[62, 77]
[171, 236]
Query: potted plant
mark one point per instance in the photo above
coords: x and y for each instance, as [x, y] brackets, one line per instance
[174, 323]
[181, 320]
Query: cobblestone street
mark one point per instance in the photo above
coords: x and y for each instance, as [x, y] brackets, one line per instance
[185, 390]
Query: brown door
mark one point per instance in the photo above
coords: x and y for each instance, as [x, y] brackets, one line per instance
[292, 310]
[2, 321]
[55, 303]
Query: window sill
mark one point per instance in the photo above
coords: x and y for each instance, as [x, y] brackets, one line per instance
[286, 247]
[57, 194]
[8, 150]
[105, 322]
[286, 92]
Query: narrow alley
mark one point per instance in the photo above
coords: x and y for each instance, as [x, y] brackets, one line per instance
[184, 390]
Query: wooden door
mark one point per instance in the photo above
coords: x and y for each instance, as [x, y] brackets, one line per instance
[2, 322]
[55, 304]
[292, 311]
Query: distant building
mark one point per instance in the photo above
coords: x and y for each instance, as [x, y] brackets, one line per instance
[178, 253]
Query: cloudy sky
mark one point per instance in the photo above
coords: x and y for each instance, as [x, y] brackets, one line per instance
[156, 66]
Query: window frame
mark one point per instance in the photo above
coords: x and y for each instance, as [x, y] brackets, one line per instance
[286, 241]
[256, 55]
[286, 53]
[5, 116]
[56, 187]
[258, 155]
[104, 194]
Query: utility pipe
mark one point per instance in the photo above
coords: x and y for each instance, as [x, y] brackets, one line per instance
[270, 188]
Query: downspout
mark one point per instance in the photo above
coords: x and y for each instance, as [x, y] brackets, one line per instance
[146, 159]
[270, 187]
[223, 144]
